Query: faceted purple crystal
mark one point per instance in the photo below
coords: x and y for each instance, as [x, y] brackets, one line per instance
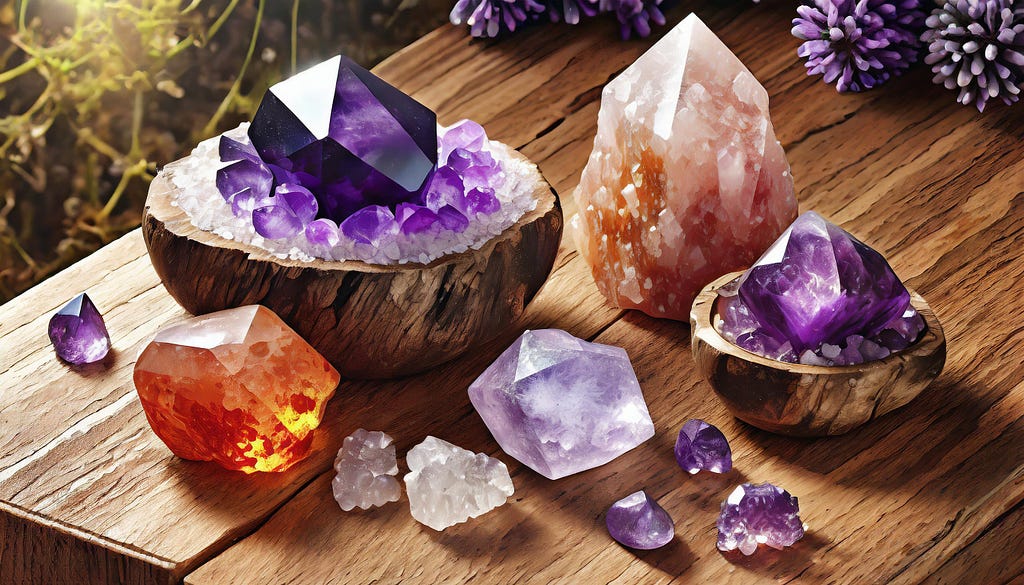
[297, 199]
[464, 134]
[322, 232]
[245, 174]
[759, 513]
[349, 137]
[818, 284]
[637, 521]
[415, 219]
[482, 200]
[369, 225]
[445, 188]
[231, 150]
[452, 219]
[702, 446]
[78, 333]
[562, 405]
[275, 222]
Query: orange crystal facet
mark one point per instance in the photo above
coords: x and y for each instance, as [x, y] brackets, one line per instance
[686, 181]
[238, 387]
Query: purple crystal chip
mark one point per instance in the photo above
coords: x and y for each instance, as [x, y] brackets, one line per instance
[562, 405]
[702, 446]
[369, 225]
[759, 513]
[818, 284]
[637, 521]
[78, 333]
[348, 136]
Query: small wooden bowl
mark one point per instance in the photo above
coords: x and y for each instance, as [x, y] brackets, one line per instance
[369, 320]
[802, 400]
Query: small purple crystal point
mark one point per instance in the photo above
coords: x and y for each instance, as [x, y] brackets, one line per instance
[759, 513]
[276, 222]
[562, 405]
[78, 333]
[354, 139]
[369, 225]
[245, 174]
[297, 199]
[702, 446]
[322, 232]
[818, 284]
[637, 521]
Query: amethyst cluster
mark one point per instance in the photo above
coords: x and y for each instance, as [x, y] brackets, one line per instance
[819, 296]
[335, 152]
[759, 514]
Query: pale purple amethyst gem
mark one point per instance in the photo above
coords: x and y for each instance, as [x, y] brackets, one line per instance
[369, 225]
[322, 232]
[818, 284]
[759, 514]
[276, 222]
[702, 446]
[560, 404]
[464, 134]
[445, 188]
[482, 200]
[637, 521]
[78, 333]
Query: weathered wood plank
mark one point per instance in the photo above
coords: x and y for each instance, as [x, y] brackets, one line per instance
[936, 187]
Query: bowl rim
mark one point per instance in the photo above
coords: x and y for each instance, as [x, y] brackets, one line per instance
[705, 308]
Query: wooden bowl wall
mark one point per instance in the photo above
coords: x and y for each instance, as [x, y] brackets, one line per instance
[804, 400]
[369, 321]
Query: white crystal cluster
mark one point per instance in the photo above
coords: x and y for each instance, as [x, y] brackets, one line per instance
[366, 467]
[447, 484]
[197, 195]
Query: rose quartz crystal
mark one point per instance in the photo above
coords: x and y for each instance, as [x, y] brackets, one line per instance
[686, 181]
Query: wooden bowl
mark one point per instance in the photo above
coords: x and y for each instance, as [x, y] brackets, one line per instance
[801, 400]
[368, 320]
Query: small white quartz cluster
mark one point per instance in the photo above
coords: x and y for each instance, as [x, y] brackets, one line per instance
[448, 484]
[366, 467]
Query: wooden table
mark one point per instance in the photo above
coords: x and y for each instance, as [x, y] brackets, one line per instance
[931, 492]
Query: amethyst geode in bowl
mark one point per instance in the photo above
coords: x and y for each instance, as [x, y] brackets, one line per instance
[390, 243]
[818, 337]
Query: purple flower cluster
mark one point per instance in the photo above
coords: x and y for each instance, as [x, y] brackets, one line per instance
[859, 44]
[281, 207]
[490, 18]
[977, 48]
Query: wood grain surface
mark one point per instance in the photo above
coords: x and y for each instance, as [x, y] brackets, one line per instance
[931, 491]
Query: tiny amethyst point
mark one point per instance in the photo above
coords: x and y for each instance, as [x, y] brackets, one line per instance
[637, 521]
[702, 446]
[78, 333]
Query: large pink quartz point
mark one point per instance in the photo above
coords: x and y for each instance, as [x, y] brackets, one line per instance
[686, 181]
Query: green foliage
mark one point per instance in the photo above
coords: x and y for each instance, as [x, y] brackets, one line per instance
[96, 94]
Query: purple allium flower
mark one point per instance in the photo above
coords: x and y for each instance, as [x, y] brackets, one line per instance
[859, 44]
[978, 47]
[570, 11]
[635, 16]
[489, 18]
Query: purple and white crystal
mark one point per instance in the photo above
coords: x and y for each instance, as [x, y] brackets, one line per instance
[819, 296]
[702, 446]
[365, 470]
[78, 333]
[759, 514]
[637, 521]
[562, 405]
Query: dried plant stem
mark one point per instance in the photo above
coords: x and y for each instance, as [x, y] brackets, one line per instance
[295, 33]
[222, 109]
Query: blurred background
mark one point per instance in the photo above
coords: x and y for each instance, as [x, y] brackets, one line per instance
[95, 95]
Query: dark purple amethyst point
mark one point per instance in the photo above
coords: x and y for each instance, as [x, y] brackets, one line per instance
[452, 219]
[78, 333]
[637, 521]
[702, 446]
[818, 284]
[759, 514]
[415, 219]
[354, 139]
[232, 150]
[298, 199]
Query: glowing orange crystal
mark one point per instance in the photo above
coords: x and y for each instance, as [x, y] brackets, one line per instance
[686, 181]
[237, 387]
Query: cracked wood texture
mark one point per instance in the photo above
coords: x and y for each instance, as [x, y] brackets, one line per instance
[931, 491]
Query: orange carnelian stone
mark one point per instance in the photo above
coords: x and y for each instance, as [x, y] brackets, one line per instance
[238, 387]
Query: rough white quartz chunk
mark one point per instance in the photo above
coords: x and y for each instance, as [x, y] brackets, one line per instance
[448, 484]
[366, 468]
